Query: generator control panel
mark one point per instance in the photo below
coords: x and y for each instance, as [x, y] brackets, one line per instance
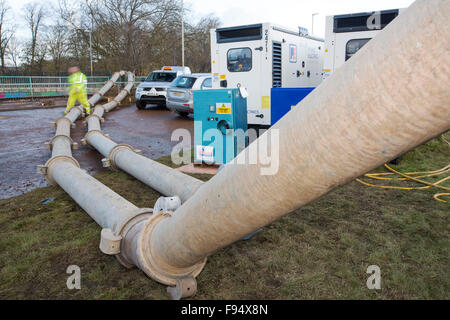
[220, 127]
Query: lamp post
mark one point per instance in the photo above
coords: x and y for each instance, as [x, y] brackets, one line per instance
[312, 23]
[182, 33]
[90, 50]
[90, 46]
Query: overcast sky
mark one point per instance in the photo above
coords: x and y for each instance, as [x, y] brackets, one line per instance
[288, 13]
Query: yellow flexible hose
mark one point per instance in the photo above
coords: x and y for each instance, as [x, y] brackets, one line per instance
[413, 176]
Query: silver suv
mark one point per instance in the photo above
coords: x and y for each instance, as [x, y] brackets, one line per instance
[153, 89]
[180, 97]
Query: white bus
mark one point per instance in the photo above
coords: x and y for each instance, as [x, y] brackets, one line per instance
[263, 56]
[346, 34]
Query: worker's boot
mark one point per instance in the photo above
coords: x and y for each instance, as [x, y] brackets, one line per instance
[67, 110]
[88, 110]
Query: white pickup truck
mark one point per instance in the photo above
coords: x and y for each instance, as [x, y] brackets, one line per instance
[153, 89]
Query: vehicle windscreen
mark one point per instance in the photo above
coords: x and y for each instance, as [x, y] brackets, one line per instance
[161, 77]
[184, 82]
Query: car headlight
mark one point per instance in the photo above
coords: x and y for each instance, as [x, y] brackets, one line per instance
[139, 90]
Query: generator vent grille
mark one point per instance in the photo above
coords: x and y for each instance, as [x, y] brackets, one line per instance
[276, 64]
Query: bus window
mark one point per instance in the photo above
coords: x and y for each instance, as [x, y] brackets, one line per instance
[239, 60]
[353, 46]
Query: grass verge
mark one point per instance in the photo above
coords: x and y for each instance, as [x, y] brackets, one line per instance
[320, 251]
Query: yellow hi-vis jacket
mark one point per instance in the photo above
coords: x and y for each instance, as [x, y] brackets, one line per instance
[77, 81]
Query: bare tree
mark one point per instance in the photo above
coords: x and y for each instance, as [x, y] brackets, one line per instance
[57, 40]
[13, 51]
[6, 32]
[198, 52]
[126, 33]
[138, 35]
[34, 15]
[127, 30]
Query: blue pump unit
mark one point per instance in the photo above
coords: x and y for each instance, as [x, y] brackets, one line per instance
[220, 126]
[283, 99]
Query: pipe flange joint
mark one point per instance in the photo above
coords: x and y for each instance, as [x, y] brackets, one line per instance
[46, 169]
[97, 108]
[153, 266]
[142, 215]
[115, 150]
[85, 140]
[73, 145]
[55, 124]
[100, 119]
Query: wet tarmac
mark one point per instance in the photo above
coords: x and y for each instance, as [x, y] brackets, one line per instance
[23, 134]
[28, 105]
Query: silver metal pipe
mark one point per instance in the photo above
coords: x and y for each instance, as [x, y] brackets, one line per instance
[62, 145]
[163, 179]
[387, 99]
[101, 143]
[96, 97]
[75, 113]
[159, 177]
[106, 207]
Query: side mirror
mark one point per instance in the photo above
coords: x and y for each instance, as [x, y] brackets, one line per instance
[142, 79]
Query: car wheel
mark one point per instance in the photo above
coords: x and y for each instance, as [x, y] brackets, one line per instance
[140, 105]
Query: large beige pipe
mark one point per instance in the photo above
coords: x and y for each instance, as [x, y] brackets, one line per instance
[390, 97]
[163, 179]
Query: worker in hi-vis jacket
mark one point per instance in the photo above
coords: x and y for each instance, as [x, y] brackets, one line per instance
[77, 90]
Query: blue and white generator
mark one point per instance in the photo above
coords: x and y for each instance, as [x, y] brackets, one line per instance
[220, 127]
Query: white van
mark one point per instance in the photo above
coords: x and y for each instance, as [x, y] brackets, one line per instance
[153, 89]
[347, 33]
[263, 56]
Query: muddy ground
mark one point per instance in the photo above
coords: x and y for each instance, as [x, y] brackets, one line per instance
[23, 134]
